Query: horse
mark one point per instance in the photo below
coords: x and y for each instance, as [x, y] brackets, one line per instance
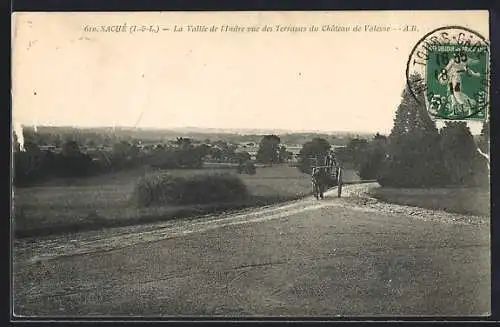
[319, 182]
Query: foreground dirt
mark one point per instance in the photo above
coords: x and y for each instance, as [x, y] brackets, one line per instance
[348, 256]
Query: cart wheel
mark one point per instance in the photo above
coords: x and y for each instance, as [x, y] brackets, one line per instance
[339, 182]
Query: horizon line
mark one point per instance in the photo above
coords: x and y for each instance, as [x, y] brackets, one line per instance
[227, 129]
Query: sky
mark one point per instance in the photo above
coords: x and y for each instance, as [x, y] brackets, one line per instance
[330, 81]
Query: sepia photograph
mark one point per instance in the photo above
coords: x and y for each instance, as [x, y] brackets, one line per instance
[250, 164]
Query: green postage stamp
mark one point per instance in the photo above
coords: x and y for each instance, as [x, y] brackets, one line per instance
[453, 63]
[455, 87]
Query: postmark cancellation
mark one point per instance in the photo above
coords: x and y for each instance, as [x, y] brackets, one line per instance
[448, 70]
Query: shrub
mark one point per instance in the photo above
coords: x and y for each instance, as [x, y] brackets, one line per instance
[246, 168]
[166, 189]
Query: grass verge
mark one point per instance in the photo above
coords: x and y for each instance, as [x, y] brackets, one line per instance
[107, 201]
[469, 201]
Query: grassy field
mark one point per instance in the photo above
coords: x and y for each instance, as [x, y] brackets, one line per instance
[457, 200]
[107, 200]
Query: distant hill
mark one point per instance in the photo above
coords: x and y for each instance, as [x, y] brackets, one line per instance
[213, 134]
[256, 131]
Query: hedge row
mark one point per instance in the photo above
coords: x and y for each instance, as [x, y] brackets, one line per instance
[167, 189]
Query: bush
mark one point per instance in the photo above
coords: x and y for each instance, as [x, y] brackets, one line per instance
[166, 189]
[246, 168]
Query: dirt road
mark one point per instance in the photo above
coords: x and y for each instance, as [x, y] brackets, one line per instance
[307, 257]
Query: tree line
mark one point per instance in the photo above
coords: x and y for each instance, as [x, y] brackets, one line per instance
[416, 154]
[34, 165]
[107, 136]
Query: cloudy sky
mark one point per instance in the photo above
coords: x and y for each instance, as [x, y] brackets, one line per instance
[332, 81]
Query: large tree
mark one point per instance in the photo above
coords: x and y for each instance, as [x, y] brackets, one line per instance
[411, 114]
[369, 156]
[413, 152]
[356, 151]
[269, 150]
[316, 148]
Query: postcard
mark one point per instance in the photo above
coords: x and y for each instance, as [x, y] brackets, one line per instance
[250, 164]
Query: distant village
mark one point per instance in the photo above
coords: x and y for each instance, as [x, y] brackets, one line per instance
[148, 147]
[102, 144]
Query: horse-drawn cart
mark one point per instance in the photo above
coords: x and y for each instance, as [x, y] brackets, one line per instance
[326, 174]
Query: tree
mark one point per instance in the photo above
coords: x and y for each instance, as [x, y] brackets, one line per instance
[316, 148]
[459, 152]
[369, 157]
[268, 152]
[245, 164]
[365, 156]
[357, 151]
[283, 154]
[413, 150]
[411, 115]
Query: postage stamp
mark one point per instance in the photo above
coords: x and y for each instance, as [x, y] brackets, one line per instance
[449, 70]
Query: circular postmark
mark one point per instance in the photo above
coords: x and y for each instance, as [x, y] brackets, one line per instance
[448, 71]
